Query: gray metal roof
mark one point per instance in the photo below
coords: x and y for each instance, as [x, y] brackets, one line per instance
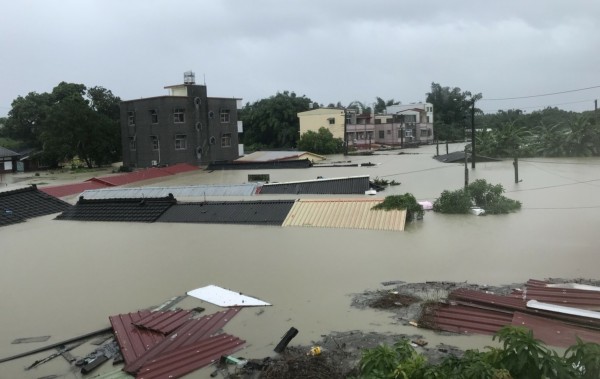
[333, 186]
[4, 152]
[178, 192]
[234, 212]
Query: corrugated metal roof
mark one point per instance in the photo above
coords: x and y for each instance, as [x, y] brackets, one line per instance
[354, 214]
[183, 191]
[554, 332]
[481, 312]
[117, 180]
[266, 156]
[24, 203]
[271, 212]
[464, 319]
[303, 163]
[187, 359]
[72, 189]
[4, 152]
[165, 321]
[190, 333]
[126, 210]
[133, 341]
[561, 296]
[335, 186]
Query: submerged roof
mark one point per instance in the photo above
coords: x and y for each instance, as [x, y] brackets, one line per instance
[285, 164]
[24, 203]
[271, 212]
[354, 214]
[183, 191]
[353, 185]
[268, 156]
[129, 210]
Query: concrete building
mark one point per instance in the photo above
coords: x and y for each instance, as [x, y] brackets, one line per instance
[400, 125]
[185, 126]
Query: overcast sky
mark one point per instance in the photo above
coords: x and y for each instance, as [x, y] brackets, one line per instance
[328, 50]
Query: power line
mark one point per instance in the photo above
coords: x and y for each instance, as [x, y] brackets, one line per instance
[549, 105]
[554, 186]
[541, 95]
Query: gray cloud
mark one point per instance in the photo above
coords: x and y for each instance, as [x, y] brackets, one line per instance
[329, 51]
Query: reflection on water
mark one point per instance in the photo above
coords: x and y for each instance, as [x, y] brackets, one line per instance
[64, 278]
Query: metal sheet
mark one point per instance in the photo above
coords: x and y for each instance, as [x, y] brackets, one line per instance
[350, 186]
[464, 319]
[224, 297]
[554, 332]
[191, 332]
[164, 322]
[187, 359]
[562, 309]
[178, 192]
[133, 341]
[344, 213]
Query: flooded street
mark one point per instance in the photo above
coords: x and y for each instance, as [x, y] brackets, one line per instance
[64, 278]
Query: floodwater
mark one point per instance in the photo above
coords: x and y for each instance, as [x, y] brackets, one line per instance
[64, 278]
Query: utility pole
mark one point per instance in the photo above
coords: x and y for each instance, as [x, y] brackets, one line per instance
[596, 110]
[345, 133]
[516, 164]
[466, 167]
[473, 133]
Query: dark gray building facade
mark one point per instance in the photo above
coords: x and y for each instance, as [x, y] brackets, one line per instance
[186, 126]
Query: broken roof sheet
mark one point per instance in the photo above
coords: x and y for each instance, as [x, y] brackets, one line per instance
[224, 297]
[24, 203]
[482, 312]
[164, 321]
[345, 213]
[191, 332]
[554, 332]
[178, 192]
[129, 210]
[189, 358]
[573, 295]
[133, 341]
[336, 186]
[272, 212]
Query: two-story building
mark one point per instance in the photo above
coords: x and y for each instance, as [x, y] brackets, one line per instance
[185, 126]
[400, 125]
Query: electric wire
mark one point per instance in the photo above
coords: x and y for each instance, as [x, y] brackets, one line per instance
[540, 95]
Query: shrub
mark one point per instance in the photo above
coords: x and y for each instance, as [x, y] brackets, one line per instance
[414, 210]
[479, 193]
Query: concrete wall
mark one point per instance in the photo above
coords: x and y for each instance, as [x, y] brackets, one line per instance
[320, 118]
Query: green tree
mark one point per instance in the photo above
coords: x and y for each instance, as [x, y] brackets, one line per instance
[414, 210]
[273, 122]
[321, 142]
[452, 110]
[70, 121]
[478, 193]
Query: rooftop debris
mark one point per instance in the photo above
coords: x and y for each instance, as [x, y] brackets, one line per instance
[31, 339]
[224, 297]
[538, 306]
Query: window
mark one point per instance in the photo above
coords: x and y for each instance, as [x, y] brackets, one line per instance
[410, 118]
[381, 134]
[180, 142]
[224, 115]
[423, 132]
[408, 133]
[179, 115]
[226, 140]
[389, 131]
[153, 116]
[132, 143]
[155, 143]
[131, 118]
[331, 121]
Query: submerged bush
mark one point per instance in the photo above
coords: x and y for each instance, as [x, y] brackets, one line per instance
[479, 193]
[414, 210]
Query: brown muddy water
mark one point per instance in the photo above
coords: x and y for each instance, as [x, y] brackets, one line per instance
[64, 278]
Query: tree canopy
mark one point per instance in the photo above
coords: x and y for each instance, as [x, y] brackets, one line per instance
[321, 142]
[452, 110]
[70, 121]
[273, 122]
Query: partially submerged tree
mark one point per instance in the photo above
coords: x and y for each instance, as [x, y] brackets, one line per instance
[321, 142]
[414, 210]
[479, 193]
